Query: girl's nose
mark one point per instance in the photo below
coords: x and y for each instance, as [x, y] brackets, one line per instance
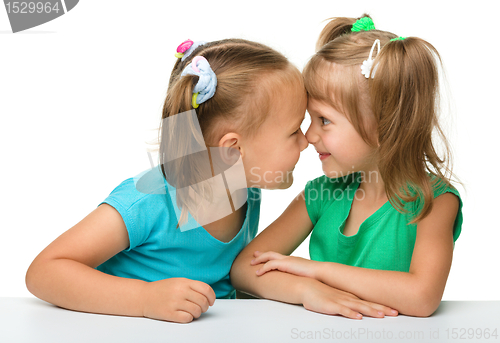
[311, 137]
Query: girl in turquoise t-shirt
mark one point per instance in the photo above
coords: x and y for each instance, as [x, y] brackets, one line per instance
[161, 245]
[384, 217]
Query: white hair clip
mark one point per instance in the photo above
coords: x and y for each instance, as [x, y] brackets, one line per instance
[367, 65]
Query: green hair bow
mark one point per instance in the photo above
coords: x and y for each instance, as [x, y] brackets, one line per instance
[365, 24]
[397, 38]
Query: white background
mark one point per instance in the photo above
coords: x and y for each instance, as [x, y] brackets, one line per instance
[80, 96]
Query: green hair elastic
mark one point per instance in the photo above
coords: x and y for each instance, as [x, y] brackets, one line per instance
[365, 24]
[397, 38]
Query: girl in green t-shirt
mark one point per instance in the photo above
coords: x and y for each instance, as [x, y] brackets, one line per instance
[384, 217]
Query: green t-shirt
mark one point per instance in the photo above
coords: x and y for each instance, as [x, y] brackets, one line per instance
[384, 241]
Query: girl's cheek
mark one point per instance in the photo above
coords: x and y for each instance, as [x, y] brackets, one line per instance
[332, 139]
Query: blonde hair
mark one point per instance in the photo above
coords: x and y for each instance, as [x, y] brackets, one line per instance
[248, 75]
[402, 100]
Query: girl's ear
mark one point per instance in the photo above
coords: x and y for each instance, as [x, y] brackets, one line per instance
[231, 147]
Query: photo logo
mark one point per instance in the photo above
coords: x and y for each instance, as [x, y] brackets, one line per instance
[209, 182]
[24, 15]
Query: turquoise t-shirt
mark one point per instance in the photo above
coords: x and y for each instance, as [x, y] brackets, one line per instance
[384, 240]
[158, 250]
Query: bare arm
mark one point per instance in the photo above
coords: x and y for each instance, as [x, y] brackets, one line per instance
[63, 274]
[416, 293]
[284, 236]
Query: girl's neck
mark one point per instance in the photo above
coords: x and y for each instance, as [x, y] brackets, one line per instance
[227, 228]
[223, 217]
[372, 185]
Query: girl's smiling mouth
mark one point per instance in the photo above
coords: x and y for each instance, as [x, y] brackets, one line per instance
[323, 155]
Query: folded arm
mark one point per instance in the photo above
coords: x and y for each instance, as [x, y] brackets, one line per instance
[284, 236]
[416, 293]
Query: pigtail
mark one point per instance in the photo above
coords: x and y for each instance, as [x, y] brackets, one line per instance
[405, 99]
[181, 168]
[336, 27]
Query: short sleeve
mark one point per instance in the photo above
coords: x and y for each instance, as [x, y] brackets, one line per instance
[141, 212]
[442, 188]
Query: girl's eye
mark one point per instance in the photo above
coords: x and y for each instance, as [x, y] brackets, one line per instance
[296, 131]
[324, 121]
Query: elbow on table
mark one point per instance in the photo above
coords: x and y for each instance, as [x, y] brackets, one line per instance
[37, 276]
[424, 304]
[31, 280]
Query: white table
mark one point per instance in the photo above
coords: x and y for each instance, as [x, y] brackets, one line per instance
[256, 321]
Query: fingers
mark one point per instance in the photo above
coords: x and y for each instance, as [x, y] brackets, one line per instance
[332, 301]
[349, 309]
[203, 289]
[364, 308]
[191, 308]
[182, 317]
[334, 308]
[267, 267]
[198, 299]
[266, 256]
[386, 310]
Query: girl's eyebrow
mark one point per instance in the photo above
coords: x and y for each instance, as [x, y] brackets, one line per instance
[317, 114]
[313, 112]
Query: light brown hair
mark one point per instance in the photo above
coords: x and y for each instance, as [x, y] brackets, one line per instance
[402, 100]
[248, 75]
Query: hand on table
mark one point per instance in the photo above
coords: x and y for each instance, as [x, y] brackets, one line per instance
[177, 299]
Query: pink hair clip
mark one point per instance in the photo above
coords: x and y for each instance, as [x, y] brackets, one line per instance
[183, 47]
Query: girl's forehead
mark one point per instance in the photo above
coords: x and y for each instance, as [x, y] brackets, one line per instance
[321, 104]
[285, 97]
[290, 93]
[289, 108]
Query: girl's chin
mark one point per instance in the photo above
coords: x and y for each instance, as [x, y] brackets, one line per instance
[280, 180]
[335, 174]
[329, 171]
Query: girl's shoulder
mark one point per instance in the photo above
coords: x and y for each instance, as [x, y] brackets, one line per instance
[440, 186]
[144, 204]
[147, 186]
